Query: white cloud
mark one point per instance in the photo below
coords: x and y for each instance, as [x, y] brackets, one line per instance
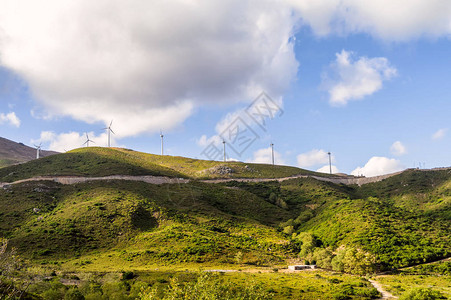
[204, 141]
[398, 149]
[390, 20]
[312, 158]
[439, 134]
[264, 156]
[146, 64]
[71, 140]
[244, 123]
[10, 118]
[379, 166]
[326, 169]
[350, 79]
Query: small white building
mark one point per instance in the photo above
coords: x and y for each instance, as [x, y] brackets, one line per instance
[301, 267]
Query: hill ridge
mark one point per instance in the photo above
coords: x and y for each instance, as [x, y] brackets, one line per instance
[12, 153]
[165, 179]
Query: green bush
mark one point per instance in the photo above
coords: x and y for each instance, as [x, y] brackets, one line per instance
[421, 294]
[73, 294]
[207, 287]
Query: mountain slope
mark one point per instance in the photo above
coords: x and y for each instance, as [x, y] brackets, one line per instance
[14, 153]
[400, 221]
[157, 223]
[96, 161]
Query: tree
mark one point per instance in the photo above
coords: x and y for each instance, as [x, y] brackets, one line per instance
[308, 243]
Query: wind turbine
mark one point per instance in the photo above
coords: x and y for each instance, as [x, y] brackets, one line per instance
[38, 150]
[87, 140]
[109, 131]
[272, 152]
[224, 143]
[161, 135]
[330, 163]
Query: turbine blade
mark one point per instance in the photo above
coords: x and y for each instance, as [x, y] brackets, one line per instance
[112, 131]
[111, 123]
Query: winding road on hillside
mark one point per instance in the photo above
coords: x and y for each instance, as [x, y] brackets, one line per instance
[348, 180]
[171, 180]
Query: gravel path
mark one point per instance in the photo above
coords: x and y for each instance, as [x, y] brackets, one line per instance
[385, 294]
[79, 179]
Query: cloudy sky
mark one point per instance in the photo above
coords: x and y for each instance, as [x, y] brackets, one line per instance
[368, 81]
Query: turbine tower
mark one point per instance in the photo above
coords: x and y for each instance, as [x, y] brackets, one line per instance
[38, 150]
[109, 131]
[272, 153]
[161, 136]
[330, 163]
[224, 143]
[87, 140]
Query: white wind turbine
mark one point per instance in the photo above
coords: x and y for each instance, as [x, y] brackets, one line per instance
[87, 140]
[161, 135]
[272, 152]
[109, 131]
[38, 150]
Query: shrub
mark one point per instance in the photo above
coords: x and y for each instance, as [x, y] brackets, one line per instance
[288, 230]
[128, 275]
[207, 286]
[421, 294]
[74, 294]
[239, 257]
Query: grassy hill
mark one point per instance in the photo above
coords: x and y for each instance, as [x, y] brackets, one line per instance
[12, 153]
[401, 221]
[111, 226]
[183, 223]
[97, 161]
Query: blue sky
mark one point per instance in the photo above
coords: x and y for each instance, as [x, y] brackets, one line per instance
[369, 85]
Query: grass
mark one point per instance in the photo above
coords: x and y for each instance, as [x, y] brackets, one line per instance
[195, 222]
[111, 226]
[90, 162]
[96, 161]
[207, 223]
[302, 285]
[400, 284]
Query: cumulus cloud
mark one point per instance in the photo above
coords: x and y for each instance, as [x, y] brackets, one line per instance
[204, 141]
[350, 79]
[10, 118]
[439, 134]
[146, 64]
[240, 128]
[326, 169]
[385, 19]
[264, 156]
[71, 140]
[398, 149]
[379, 166]
[313, 157]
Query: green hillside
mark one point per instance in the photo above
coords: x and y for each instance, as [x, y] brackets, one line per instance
[97, 161]
[116, 225]
[401, 221]
[191, 222]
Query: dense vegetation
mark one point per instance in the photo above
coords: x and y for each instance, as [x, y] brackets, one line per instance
[116, 225]
[401, 221]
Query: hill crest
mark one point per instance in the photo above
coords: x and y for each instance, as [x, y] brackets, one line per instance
[12, 153]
